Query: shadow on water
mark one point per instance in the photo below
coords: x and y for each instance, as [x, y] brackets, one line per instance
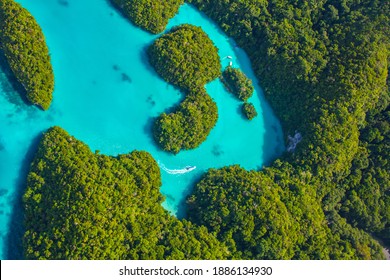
[273, 146]
[2, 147]
[148, 129]
[14, 90]
[117, 9]
[182, 205]
[240, 113]
[148, 66]
[120, 12]
[63, 3]
[13, 240]
[273, 138]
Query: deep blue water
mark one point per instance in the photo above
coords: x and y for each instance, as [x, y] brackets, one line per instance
[107, 95]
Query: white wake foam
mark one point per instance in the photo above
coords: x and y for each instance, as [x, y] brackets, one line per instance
[184, 170]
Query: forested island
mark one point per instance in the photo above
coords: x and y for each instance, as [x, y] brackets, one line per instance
[189, 124]
[188, 59]
[24, 46]
[253, 211]
[81, 205]
[185, 57]
[151, 15]
[249, 110]
[325, 72]
[241, 87]
[237, 83]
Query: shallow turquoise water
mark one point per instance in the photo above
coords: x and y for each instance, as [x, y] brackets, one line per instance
[107, 95]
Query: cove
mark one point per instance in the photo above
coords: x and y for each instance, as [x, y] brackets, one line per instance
[107, 95]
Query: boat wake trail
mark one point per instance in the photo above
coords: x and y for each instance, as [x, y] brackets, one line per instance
[184, 170]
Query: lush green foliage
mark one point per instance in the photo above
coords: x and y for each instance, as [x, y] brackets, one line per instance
[241, 86]
[249, 110]
[322, 68]
[152, 15]
[237, 83]
[245, 212]
[80, 205]
[367, 202]
[190, 123]
[320, 72]
[185, 57]
[270, 215]
[23, 43]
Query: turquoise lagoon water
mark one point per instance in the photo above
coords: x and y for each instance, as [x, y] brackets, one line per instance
[107, 95]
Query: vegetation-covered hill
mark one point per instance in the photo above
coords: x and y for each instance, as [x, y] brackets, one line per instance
[188, 59]
[190, 123]
[237, 83]
[24, 46]
[185, 57]
[241, 87]
[366, 202]
[151, 15]
[325, 72]
[322, 69]
[262, 215]
[81, 205]
[249, 110]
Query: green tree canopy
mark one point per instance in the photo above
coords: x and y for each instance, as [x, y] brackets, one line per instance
[185, 57]
[23, 43]
[151, 15]
[189, 124]
[80, 205]
[249, 110]
[237, 83]
[188, 59]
